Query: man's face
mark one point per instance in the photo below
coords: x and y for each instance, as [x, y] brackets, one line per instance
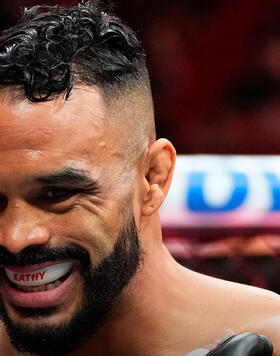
[68, 240]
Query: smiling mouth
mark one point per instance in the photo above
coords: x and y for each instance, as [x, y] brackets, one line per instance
[40, 280]
[40, 288]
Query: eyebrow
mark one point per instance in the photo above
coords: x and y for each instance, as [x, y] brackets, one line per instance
[66, 176]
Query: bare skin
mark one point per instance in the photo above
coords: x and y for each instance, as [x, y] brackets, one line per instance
[166, 310]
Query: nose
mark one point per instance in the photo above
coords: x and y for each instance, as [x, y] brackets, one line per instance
[21, 225]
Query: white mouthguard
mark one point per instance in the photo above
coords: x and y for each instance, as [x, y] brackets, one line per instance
[41, 276]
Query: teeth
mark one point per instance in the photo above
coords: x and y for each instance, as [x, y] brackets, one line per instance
[41, 288]
[43, 276]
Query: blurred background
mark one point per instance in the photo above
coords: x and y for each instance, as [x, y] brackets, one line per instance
[215, 72]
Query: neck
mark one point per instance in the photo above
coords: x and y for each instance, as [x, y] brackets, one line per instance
[139, 324]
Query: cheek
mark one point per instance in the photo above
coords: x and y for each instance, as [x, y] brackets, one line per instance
[97, 233]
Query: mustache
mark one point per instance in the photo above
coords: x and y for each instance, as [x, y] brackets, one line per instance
[36, 254]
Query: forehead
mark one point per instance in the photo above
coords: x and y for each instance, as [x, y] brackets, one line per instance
[56, 133]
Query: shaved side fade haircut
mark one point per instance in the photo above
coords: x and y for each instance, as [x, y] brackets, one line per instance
[53, 49]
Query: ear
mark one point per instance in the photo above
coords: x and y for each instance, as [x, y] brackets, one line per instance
[160, 166]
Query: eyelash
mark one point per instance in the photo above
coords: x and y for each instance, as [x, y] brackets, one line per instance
[68, 193]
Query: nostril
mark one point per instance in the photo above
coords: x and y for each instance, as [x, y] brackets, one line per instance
[3, 202]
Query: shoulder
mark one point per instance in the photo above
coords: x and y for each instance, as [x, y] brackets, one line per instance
[250, 309]
[248, 302]
[228, 305]
[269, 327]
[241, 296]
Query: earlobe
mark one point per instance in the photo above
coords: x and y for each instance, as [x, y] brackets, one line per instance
[161, 161]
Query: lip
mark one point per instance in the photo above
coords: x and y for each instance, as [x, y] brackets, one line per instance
[40, 299]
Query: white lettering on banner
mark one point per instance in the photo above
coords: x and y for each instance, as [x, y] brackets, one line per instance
[209, 190]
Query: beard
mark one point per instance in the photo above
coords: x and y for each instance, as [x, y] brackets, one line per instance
[102, 284]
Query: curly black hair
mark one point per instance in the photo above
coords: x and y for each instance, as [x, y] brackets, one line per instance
[52, 47]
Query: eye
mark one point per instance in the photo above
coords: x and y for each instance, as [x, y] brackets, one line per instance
[56, 195]
[3, 202]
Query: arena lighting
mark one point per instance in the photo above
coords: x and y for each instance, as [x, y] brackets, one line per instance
[212, 191]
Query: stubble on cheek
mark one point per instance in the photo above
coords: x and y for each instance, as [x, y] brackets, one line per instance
[93, 226]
